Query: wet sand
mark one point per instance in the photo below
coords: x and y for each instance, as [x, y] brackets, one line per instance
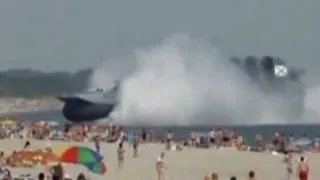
[190, 164]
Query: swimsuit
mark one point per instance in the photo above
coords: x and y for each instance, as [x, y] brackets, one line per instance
[303, 175]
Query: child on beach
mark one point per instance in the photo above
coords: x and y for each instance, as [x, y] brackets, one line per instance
[120, 153]
[303, 169]
[160, 166]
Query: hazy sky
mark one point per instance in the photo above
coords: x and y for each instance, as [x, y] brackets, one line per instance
[73, 34]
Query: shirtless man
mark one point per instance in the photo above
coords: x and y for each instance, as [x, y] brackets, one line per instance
[303, 169]
[160, 166]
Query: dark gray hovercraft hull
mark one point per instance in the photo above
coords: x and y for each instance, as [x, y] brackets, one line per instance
[76, 109]
[286, 86]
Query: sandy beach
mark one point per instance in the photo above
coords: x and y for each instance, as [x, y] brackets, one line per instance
[189, 164]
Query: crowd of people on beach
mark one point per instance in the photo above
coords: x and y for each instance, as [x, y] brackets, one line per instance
[111, 133]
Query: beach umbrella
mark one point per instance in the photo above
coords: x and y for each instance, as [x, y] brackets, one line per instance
[303, 142]
[80, 155]
[60, 150]
[96, 167]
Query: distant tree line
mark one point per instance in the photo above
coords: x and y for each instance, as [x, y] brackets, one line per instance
[28, 83]
[31, 83]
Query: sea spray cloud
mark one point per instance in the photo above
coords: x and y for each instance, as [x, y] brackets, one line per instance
[312, 105]
[183, 81]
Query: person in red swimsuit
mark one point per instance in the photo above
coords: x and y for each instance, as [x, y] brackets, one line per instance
[303, 169]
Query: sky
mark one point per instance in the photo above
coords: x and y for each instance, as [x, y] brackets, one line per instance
[74, 34]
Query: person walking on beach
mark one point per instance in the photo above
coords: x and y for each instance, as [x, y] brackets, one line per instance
[169, 137]
[135, 143]
[288, 161]
[120, 153]
[193, 139]
[160, 166]
[303, 169]
[219, 138]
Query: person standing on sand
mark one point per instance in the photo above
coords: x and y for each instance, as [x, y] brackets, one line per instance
[288, 161]
[97, 143]
[169, 137]
[120, 153]
[218, 138]
[135, 143]
[193, 139]
[160, 166]
[303, 169]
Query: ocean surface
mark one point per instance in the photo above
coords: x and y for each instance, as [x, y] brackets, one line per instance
[298, 130]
